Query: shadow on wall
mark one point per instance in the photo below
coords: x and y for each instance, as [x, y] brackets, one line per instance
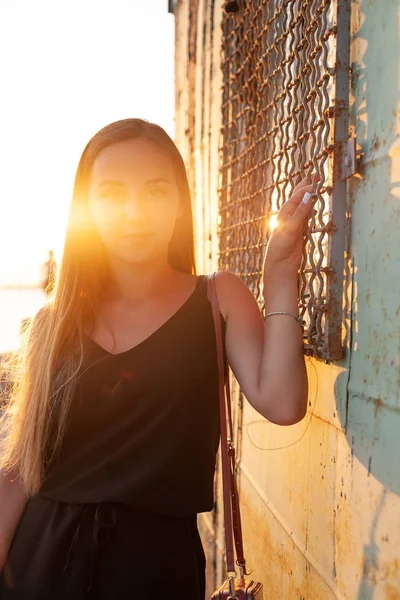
[370, 415]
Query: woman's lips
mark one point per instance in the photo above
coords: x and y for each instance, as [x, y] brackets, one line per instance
[136, 236]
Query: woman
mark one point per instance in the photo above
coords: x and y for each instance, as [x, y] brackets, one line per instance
[111, 435]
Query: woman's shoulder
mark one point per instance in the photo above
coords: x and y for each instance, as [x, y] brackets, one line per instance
[228, 283]
[233, 294]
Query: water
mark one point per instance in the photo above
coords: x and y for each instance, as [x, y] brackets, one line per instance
[15, 305]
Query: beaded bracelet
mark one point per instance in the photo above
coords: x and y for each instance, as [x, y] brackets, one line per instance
[297, 318]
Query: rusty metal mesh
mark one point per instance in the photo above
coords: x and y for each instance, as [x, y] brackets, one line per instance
[278, 61]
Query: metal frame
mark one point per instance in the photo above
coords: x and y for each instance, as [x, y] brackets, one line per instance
[285, 111]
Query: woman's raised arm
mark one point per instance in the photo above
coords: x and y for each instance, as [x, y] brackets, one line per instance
[267, 358]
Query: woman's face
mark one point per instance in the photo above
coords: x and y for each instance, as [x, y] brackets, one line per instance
[134, 200]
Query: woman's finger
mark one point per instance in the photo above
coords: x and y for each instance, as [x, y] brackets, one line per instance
[303, 210]
[310, 179]
[303, 182]
[291, 205]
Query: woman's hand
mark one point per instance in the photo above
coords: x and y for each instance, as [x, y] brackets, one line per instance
[285, 245]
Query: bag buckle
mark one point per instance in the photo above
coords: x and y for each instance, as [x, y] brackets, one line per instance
[232, 591]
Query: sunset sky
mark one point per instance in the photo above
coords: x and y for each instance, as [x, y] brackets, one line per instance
[67, 69]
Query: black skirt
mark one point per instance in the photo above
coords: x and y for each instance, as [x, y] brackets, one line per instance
[104, 551]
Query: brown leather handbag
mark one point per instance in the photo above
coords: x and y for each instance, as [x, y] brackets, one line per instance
[234, 587]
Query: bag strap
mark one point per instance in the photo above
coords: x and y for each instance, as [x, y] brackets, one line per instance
[232, 518]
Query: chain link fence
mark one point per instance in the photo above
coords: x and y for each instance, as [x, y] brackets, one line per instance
[284, 114]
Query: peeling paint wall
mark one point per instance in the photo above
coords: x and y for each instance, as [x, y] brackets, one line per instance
[321, 499]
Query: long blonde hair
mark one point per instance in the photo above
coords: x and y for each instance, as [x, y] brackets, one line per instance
[44, 370]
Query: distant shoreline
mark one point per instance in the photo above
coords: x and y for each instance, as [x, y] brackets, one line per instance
[17, 286]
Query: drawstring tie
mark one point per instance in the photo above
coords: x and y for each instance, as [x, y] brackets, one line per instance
[99, 525]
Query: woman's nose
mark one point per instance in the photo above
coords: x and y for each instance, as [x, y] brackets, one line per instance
[134, 209]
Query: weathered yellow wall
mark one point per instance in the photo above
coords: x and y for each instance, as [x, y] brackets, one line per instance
[320, 500]
[198, 118]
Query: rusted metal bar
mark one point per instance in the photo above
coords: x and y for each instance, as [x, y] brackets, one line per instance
[341, 151]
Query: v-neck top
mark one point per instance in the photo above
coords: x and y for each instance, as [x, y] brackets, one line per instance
[144, 427]
[199, 281]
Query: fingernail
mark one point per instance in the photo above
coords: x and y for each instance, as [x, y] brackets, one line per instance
[306, 198]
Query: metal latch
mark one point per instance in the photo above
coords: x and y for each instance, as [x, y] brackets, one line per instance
[348, 159]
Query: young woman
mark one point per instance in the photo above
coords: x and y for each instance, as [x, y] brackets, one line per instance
[111, 435]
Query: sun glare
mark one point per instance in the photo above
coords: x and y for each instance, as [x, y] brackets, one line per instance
[273, 222]
[76, 93]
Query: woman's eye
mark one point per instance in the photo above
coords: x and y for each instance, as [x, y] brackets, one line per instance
[156, 193]
[112, 195]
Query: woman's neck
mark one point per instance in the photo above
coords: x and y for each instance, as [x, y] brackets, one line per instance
[129, 283]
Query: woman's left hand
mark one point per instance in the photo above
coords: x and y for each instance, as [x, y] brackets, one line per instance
[285, 245]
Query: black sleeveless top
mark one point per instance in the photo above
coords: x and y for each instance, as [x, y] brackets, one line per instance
[143, 428]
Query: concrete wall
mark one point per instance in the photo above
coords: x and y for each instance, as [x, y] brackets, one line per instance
[320, 500]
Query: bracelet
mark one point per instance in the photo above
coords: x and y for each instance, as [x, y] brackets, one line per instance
[297, 318]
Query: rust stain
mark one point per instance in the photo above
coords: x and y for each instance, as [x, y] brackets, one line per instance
[391, 593]
[392, 569]
[376, 363]
[376, 143]
[378, 403]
